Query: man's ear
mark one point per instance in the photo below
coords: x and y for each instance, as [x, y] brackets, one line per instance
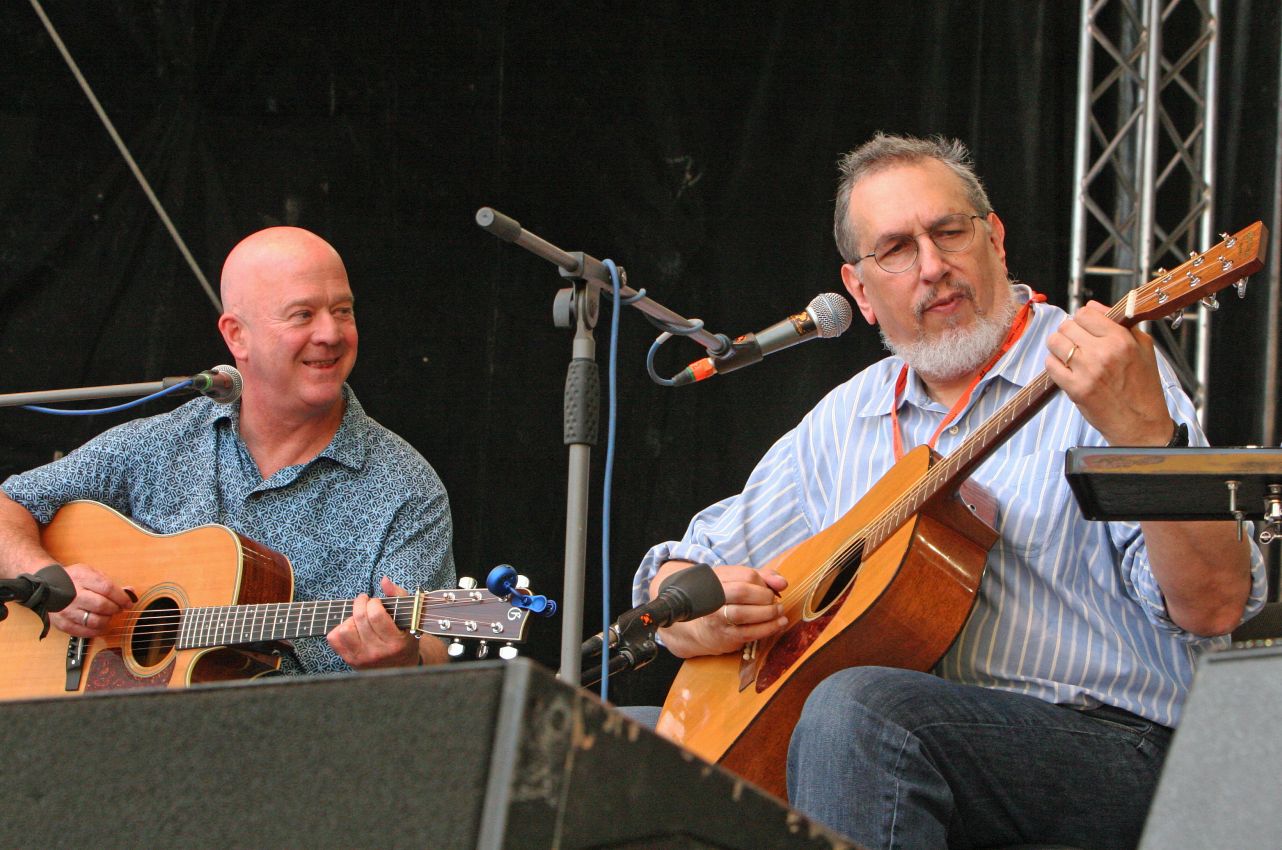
[234, 332]
[997, 236]
[855, 286]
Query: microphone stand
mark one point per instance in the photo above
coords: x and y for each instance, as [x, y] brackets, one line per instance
[577, 307]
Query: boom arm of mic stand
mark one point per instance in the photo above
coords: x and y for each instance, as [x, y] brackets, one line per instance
[581, 266]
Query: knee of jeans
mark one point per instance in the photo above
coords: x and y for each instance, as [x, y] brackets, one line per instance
[856, 695]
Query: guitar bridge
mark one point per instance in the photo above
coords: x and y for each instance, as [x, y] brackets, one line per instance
[75, 662]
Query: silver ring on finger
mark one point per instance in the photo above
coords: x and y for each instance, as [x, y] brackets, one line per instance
[1071, 352]
[84, 621]
[725, 613]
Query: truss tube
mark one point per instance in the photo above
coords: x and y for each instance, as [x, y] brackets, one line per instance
[1081, 152]
[1269, 395]
[1210, 65]
[1147, 155]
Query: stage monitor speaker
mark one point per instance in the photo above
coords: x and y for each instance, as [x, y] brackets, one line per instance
[1219, 786]
[487, 754]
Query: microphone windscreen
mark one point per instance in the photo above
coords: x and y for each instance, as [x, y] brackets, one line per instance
[701, 586]
[831, 314]
[61, 590]
[237, 384]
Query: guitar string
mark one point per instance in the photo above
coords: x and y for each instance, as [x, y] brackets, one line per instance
[159, 623]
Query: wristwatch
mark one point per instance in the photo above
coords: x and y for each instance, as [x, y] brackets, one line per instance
[1180, 439]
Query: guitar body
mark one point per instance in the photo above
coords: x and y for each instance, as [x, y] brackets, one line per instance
[206, 566]
[902, 608]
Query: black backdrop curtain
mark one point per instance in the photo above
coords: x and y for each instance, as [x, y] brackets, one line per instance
[693, 143]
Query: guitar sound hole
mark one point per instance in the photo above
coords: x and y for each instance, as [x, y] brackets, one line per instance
[837, 581]
[155, 632]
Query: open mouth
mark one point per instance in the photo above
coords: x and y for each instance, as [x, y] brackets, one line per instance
[321, 364]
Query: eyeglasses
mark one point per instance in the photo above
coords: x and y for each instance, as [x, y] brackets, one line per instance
[898, 252]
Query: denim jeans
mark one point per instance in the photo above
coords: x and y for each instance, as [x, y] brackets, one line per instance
[896, 758]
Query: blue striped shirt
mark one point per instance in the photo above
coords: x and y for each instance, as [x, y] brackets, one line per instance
[1068, 610]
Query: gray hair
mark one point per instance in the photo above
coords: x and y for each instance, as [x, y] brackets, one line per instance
[884, 151]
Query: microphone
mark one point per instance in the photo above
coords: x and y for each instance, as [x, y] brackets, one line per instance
[222, 383]
[685, 595]
[49, 590]
[827, 316]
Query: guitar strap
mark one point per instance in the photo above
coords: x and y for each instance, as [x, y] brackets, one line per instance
[1017, 329]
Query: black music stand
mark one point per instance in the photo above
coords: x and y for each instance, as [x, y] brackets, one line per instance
[1175, 484]
[1239, 484]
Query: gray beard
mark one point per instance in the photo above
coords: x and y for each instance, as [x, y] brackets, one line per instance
[953, 353]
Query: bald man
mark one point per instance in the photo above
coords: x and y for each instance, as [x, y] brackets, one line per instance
[294, 464]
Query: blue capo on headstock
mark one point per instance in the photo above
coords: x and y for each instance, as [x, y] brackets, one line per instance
[502, 581]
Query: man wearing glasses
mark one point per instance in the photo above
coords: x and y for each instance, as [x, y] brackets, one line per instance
[1048, 719]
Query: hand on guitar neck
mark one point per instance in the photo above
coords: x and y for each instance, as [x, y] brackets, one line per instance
[370, 639]
[752, 612]
[1110, 373]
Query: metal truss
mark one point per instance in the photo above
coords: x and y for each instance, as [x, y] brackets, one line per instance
[1144, 159]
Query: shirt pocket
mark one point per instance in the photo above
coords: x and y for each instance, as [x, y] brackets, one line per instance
[1032, 496]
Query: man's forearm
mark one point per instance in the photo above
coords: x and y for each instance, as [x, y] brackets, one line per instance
[20, 549]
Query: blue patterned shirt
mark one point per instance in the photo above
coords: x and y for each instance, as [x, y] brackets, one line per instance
[1068, 610]
[367, 506]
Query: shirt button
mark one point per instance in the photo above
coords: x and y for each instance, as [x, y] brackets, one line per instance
[954, 430]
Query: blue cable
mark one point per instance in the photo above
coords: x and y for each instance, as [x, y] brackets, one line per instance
[609, 473]
[55, 411]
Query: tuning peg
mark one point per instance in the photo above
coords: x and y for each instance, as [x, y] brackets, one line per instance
[1160, 271]
[1176, 319]
[507, 652]
[1241, 287]
[1196, 258]
[483, 650]
[1210, 303]
[455, 649]
[1229, 241]
[466, 582]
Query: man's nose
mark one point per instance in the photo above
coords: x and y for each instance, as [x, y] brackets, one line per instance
[931, 265]
[325, 329]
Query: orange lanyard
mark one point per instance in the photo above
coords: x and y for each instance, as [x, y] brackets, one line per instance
[1016, 331]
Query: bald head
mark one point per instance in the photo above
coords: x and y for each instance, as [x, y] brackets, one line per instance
[264, 258]
[289, 321]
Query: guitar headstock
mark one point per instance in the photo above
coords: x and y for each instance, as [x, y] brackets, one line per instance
[474, 614]
[1201, 276]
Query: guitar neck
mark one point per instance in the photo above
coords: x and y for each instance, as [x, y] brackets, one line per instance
[948, 473]
[445, 613]
[236, 624]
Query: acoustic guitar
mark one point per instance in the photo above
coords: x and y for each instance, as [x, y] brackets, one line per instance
[894, 580]
[212, 606]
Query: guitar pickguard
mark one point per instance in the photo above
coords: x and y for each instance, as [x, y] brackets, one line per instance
[108, 671]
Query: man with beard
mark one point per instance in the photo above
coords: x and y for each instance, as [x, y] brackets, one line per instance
[295, 464]
[1048, 719]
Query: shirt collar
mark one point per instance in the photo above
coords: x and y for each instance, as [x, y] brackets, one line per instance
[347, 447]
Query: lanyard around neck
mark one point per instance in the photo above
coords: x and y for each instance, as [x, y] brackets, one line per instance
[1017, 328]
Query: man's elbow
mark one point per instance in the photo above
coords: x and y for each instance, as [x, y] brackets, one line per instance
[1211, 621]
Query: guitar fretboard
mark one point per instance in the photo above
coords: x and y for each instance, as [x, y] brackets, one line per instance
[239, 624]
